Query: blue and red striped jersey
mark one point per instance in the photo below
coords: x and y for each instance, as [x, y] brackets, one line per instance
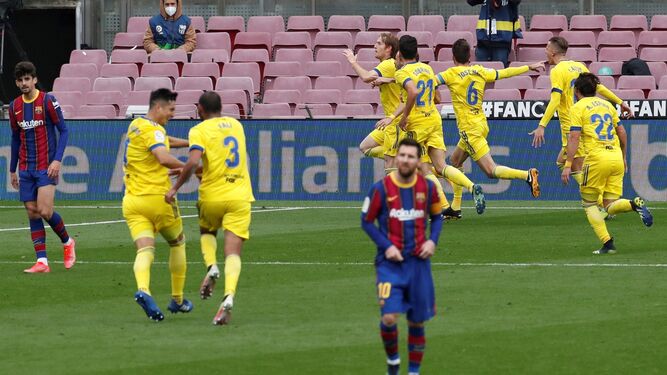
[34, 124]
[402, 213]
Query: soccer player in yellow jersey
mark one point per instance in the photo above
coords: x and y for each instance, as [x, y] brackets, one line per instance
[595, 130]
[422, 122]
[225, 195]
[146, 166]
[562, 76]
[466, 83]
[382, 141]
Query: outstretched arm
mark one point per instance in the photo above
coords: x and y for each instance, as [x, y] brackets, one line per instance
[365, 75]
[175, 142]
[626, 111]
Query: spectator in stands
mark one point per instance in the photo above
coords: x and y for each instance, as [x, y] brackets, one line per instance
[497, 27]
[170, 29]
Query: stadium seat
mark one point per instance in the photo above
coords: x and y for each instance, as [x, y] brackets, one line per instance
[138, 98]
[188, 96]
[253, 40]
[652, 39]
[314, 110]
[88, 70]
[237, 83]
[351, 24]
[81, 84]
[331, 54]
[445, 95]
[662, 84]
[382, 23]
[330, 96]
[533, 54]
[220, 56]
[194, 83]
[359, 84]
[594, 23]
[300, 84]
[366, 39]
[161, 70]
[260, 56]
[342, 83]
[214, 41]
[615, 67]
[309, 24]
[120, 70]
[658, 69]
[299, 55]
[608, 81]
[120, 84]
[68, 111]
[71, 98]
[424, 38]
[152, 83]
[244, 70]
[114, 98]
[292, 97]
[426, 55]
[659, 22]
[272, 70]
[126, 56]
[537, 94]
[623, 38]
[96, 111]
[463, 23]
[128, 40]
[177, 56]
[502, 94]
[548, 22]
[530, 73]
[137, 24]
[617, 54]
[630, 94]
[291, 40]
[446, 39]
[535, 39]
[366, 54]
[201, 70]
[440, 66]
[268, 110]
[657, 94]
[95, 56]
[584, 55]
[645, 83]
[332, 39]
[445, 54]
[231, 110]
[634, 23]
[185, 111]
[314, 69]
[363, 96]
[236, 97]
[522, 83]
[431, 23]
[198, 23]
[580, 38]
[269, 24]
[497, 65]
[354, 110]
[231, 25]
[653, 54]
[543, 82]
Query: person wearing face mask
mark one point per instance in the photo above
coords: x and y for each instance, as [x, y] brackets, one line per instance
[170, 29]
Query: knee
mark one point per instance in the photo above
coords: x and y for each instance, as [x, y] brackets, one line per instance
[389, 319]
[178, 241]
[45, 212]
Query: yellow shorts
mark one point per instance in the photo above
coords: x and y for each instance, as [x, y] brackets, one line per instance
[148, 214]
[603, 175]
[378, 136]
[474, 142]
[580, 150]
[233, 216]
[427, 134]
[392, 135]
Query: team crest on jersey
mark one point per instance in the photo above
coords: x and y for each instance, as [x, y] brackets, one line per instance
[181, 29]
[420, 197]
[38, 110]
[158, 28]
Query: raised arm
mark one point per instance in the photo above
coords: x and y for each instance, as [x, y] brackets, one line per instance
[365, 75]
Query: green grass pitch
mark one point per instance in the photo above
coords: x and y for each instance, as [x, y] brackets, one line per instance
[518, 292]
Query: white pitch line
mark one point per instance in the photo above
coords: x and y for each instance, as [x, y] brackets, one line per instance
[122, 221]
[349, 207]
[366, 264]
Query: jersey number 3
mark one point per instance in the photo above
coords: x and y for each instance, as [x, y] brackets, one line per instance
[233, 160]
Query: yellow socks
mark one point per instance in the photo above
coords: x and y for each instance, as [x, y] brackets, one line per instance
[456, 176]
[209, 246]
[458, 194]
[142, 268]
[232, 272]
[596, 220]
[619, 206]
[507, 173]
[177, 268]
[578, 176]
[441, 193]
[375, 152]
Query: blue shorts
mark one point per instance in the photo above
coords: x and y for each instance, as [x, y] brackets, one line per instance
[30, 181]
[406, 287]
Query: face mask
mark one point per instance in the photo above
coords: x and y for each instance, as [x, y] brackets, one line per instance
[170, 11]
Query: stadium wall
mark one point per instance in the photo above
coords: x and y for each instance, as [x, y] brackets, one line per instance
[319, 160]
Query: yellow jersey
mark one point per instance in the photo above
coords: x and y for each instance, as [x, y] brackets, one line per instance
[597, 120]
[144, 175]
[390, 93]
[423, 77]
[225, 176]
[562, 78]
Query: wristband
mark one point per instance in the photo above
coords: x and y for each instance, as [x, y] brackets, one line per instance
[392, 116]
[568, 164]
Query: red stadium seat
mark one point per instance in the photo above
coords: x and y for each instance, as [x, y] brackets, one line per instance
[137, 24]
[426, 55]
[330, 54]
[291, 40]
[615, 67]
[88, 70]
[214, 41]
[352, 24]
[198, 23]
[220, 56]
[120, 70]
[630, 94]
[244, 70]
[292, 97]
[126, 56]
[366, 39]
[237, 83]
[231, 110]
[185, 111]
[502, 94]
[594, 23]
[194, 83]
[446, 39]
[342, 83]
[657, 94]
[300, 84]
[253, 40]
[354, 110]
[310, 24]
[363, 96]
[178, 56]
[653, 54]
[269, 24]
[268, 110]
[260, 56]
[366, 54]
[236, 97]
[330, 96]
[518, 82]
[533, 54]
[662, 84]
[584, 55]
[617, 54]
[280, 69]
[659, 22]
[658, 69]
[462, 23]
[299, 55]
[543, 82]
[445, 54]
[548, 22]
[580, 38]
[645, 83]
[71, 98]
[316, 69]
[128, 40]
[332, 39]
[114, 98]
[188, 96]
[431, 23]
[201, 70]
[95, 56]
[537, 94]
[68, 111]
[634, 23]
[445, 96]
[138, 98]
[424, 38]
[161, 70]
[616, 39]
[231, 25]
[392, 24]
[534, 39]
[314, 109]
[652, 39]
[96, 112]
[81, 84]
[152, 83]
[440, 66]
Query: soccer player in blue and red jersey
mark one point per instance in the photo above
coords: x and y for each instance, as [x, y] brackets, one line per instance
[402, 203]
[35, 117]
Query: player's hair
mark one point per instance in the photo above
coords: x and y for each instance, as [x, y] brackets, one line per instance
[25, 68]
[408, 47]
[161, 95]
[560, 44]
[409, 142]
[587, 84]
[390, 40]
[210, 102]
[461, 51]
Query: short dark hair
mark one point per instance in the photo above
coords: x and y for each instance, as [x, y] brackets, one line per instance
[391, 41]
[560, 43]
[587, 84]
[210, 102]
[408, 47]
[410, 142]
[461, 51]
[161, 95]
[25, 68]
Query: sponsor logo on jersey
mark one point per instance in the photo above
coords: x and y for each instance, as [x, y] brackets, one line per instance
[38, 110]
[25, 125]
[158, 28]
[420, 197]
[406, 215]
